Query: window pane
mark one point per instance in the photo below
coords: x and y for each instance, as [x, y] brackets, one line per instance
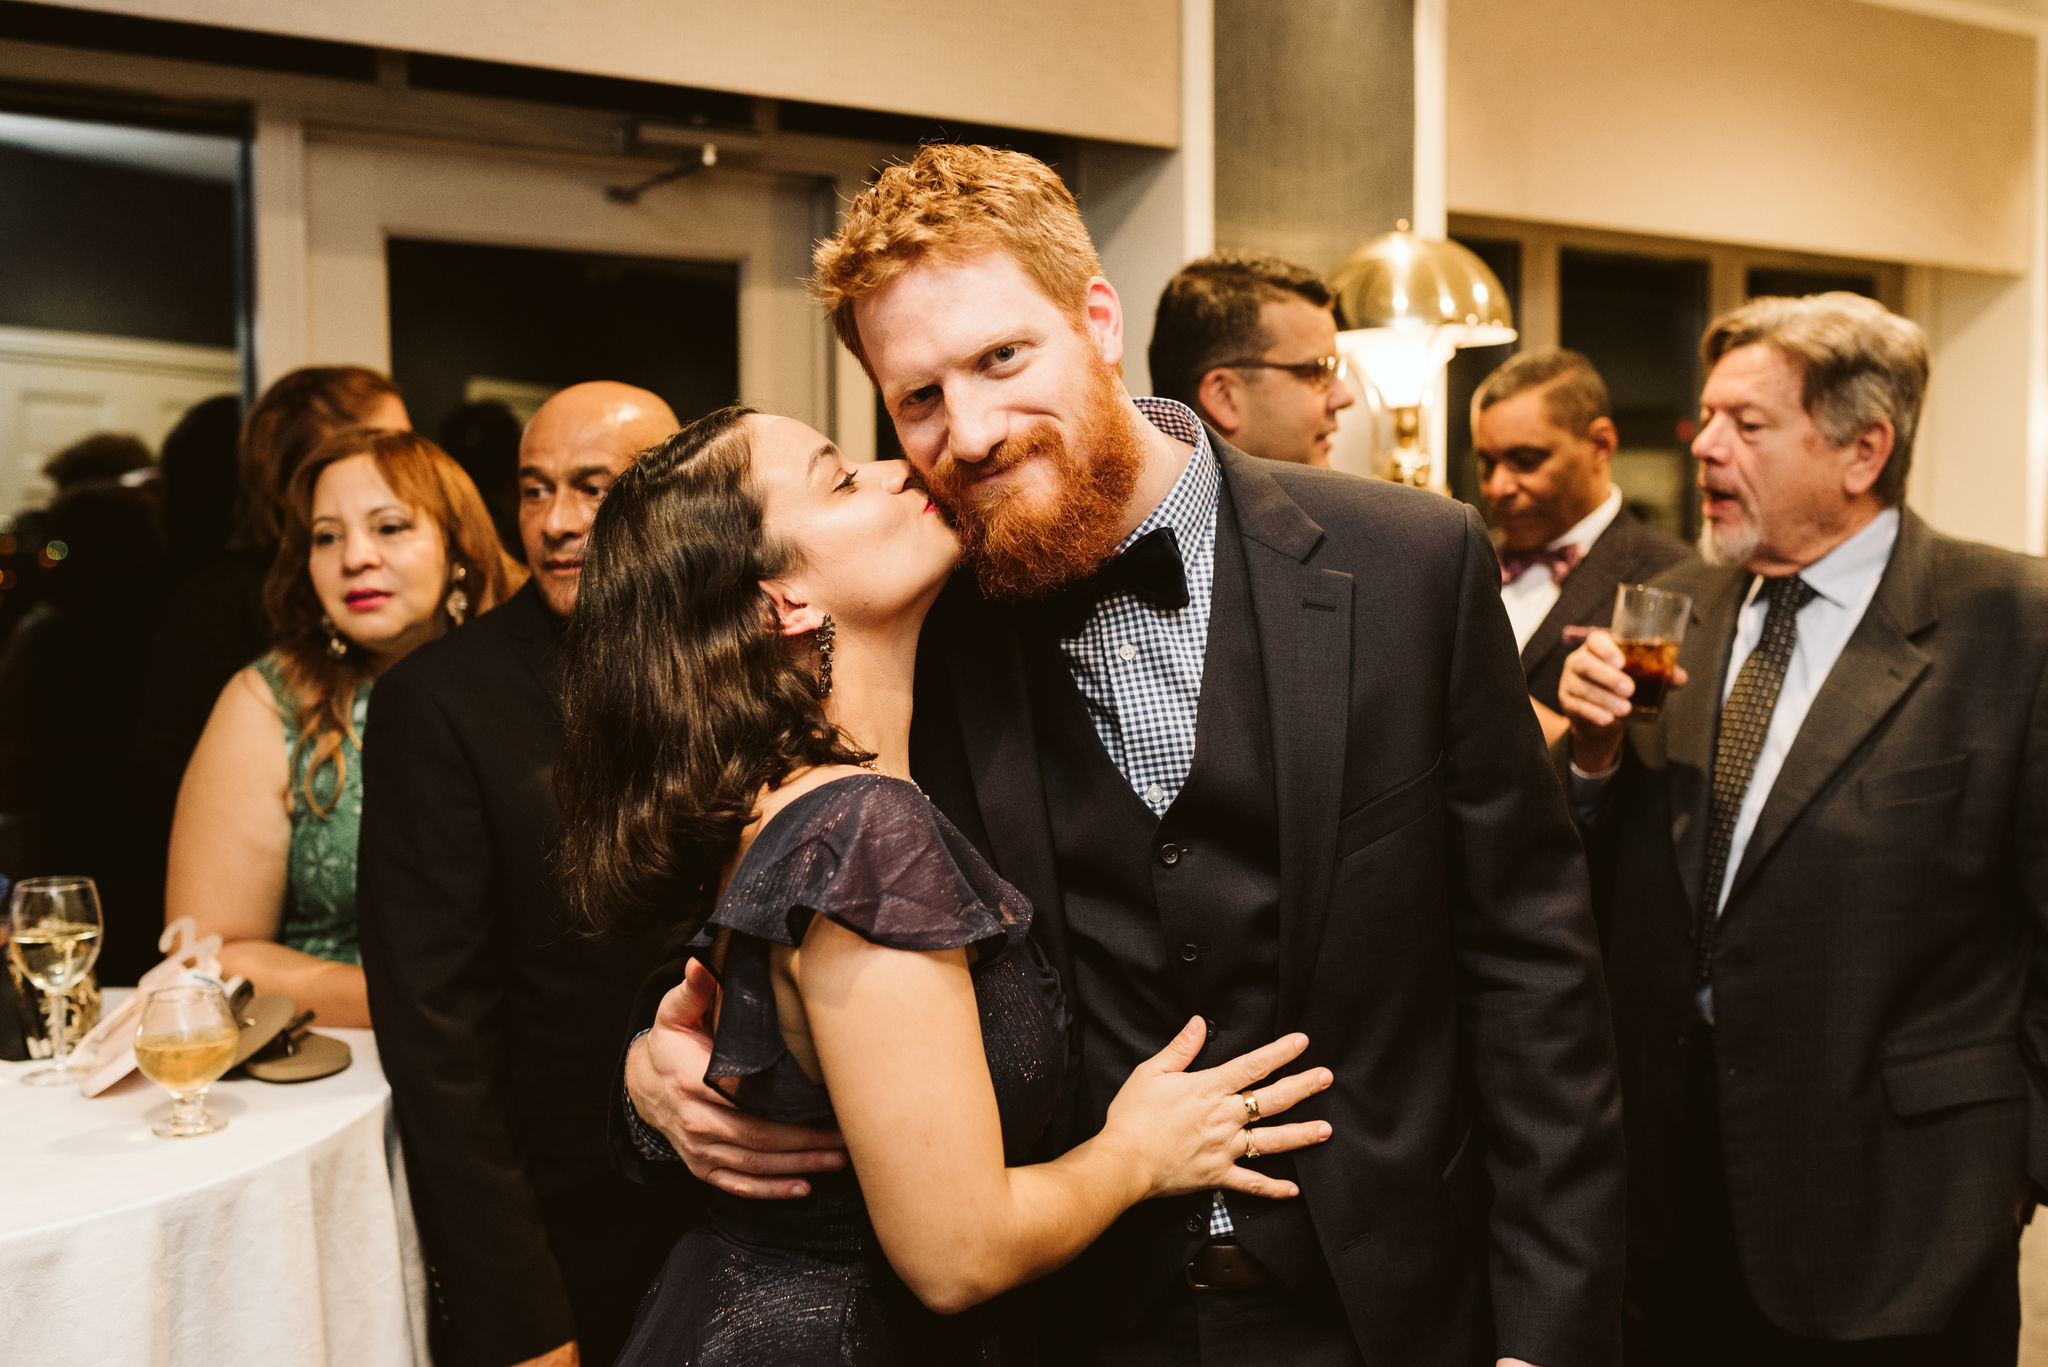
[1470, 367]
[1639, 319]
[1767, 280]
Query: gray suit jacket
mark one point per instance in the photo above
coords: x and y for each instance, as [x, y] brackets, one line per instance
[1881, 1028]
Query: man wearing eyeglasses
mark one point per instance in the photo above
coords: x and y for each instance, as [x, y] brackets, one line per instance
[1249, 343]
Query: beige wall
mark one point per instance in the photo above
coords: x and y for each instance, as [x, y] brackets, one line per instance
[1973, 474]
[1820, 125]
[1065, 66]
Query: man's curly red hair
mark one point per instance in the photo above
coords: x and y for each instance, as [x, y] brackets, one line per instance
[951, 200]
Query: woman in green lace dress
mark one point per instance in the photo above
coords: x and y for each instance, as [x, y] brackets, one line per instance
[386, 545]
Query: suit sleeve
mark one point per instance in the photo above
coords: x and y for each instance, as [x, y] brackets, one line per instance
[2031, 844]
[1532, 1004]
[435, 980]
[627, 1155]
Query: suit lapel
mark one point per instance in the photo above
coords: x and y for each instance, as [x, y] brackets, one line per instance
[530, 622]
[1691, 722]
[993, 703]
[1303, 617]
[1878, 666]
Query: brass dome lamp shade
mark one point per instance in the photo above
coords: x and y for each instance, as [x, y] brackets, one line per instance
[1404, 304]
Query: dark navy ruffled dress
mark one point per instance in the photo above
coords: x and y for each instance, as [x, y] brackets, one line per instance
[805, 1283]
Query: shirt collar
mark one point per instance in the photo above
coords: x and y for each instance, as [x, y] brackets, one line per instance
[1849, 573]
[1190, 505]
[1587, 529]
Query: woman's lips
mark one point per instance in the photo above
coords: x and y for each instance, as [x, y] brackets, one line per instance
[562, 566]
[366, 600]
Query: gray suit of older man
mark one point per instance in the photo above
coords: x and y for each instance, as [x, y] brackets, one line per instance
[1869, 1110]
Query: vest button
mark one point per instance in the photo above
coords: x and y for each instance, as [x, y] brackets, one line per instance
[1189, 953]
[1196, 1224]
[1169, 855]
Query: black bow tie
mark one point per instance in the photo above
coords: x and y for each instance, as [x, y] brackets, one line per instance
[1149, 568]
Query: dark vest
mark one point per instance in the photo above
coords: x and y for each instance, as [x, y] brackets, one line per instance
[1171, 917]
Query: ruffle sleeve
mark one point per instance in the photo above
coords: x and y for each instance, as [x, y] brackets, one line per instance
[872, 854]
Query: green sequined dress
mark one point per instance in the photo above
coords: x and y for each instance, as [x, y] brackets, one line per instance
[320, 884]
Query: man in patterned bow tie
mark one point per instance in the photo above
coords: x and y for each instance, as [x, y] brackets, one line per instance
[1826, 863]
[1543, 436]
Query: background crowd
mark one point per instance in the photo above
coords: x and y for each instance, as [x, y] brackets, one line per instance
[290, 611]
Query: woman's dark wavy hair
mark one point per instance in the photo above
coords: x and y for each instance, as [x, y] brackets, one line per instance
[681, 700]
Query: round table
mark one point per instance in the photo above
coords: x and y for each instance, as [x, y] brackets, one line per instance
[285, 1240]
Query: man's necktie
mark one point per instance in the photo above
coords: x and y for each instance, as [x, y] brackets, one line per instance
[1149, 567]
[1745, 719]
[1562, 561]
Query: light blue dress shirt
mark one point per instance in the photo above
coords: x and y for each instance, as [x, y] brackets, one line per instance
[1843, 581]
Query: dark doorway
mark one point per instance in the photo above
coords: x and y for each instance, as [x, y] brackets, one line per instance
[1763, 280]
[123, 299]
[1639, 319]
[473, 322]
[1469, 368]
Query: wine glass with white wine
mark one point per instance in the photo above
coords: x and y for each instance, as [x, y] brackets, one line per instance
[183, 1043]
[53, 930]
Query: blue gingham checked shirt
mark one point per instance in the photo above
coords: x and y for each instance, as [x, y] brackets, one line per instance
[1138, 668]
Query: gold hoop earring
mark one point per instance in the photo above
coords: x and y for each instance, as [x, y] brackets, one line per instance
[826, 633]
[336, 646]
[458, 598]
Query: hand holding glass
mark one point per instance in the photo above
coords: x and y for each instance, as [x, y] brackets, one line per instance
[1649, 626]
[53, 930]
[184, 1042]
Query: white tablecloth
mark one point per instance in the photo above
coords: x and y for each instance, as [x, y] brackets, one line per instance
[285, 1240]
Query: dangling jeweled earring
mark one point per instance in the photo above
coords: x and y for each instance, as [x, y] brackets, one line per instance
[336, 647]
[826, 631]
[458, 600]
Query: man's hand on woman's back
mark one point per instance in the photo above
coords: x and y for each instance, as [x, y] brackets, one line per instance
[718, 1142]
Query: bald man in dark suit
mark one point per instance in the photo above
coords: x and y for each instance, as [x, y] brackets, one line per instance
[497, 1018]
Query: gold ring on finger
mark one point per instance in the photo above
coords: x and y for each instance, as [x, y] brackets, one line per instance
[1251, 1106]
[1251, 1145]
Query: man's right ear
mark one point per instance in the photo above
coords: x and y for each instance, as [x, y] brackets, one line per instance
[1605, 437]
[793, 616]
[1220, 396]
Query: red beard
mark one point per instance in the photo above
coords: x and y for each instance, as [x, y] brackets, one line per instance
[1024, 544]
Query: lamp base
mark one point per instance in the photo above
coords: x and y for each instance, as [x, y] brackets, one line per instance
[1409, 463]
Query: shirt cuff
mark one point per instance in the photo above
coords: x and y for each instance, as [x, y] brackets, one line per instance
[1586, 790]
[648, 1140]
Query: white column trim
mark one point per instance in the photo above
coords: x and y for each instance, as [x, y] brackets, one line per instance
[277, 175]
[1430, 215]
[2036, 525]
[1198, 127]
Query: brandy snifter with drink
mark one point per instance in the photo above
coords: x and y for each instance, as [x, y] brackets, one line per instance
[184, 1041]
[53, 936]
